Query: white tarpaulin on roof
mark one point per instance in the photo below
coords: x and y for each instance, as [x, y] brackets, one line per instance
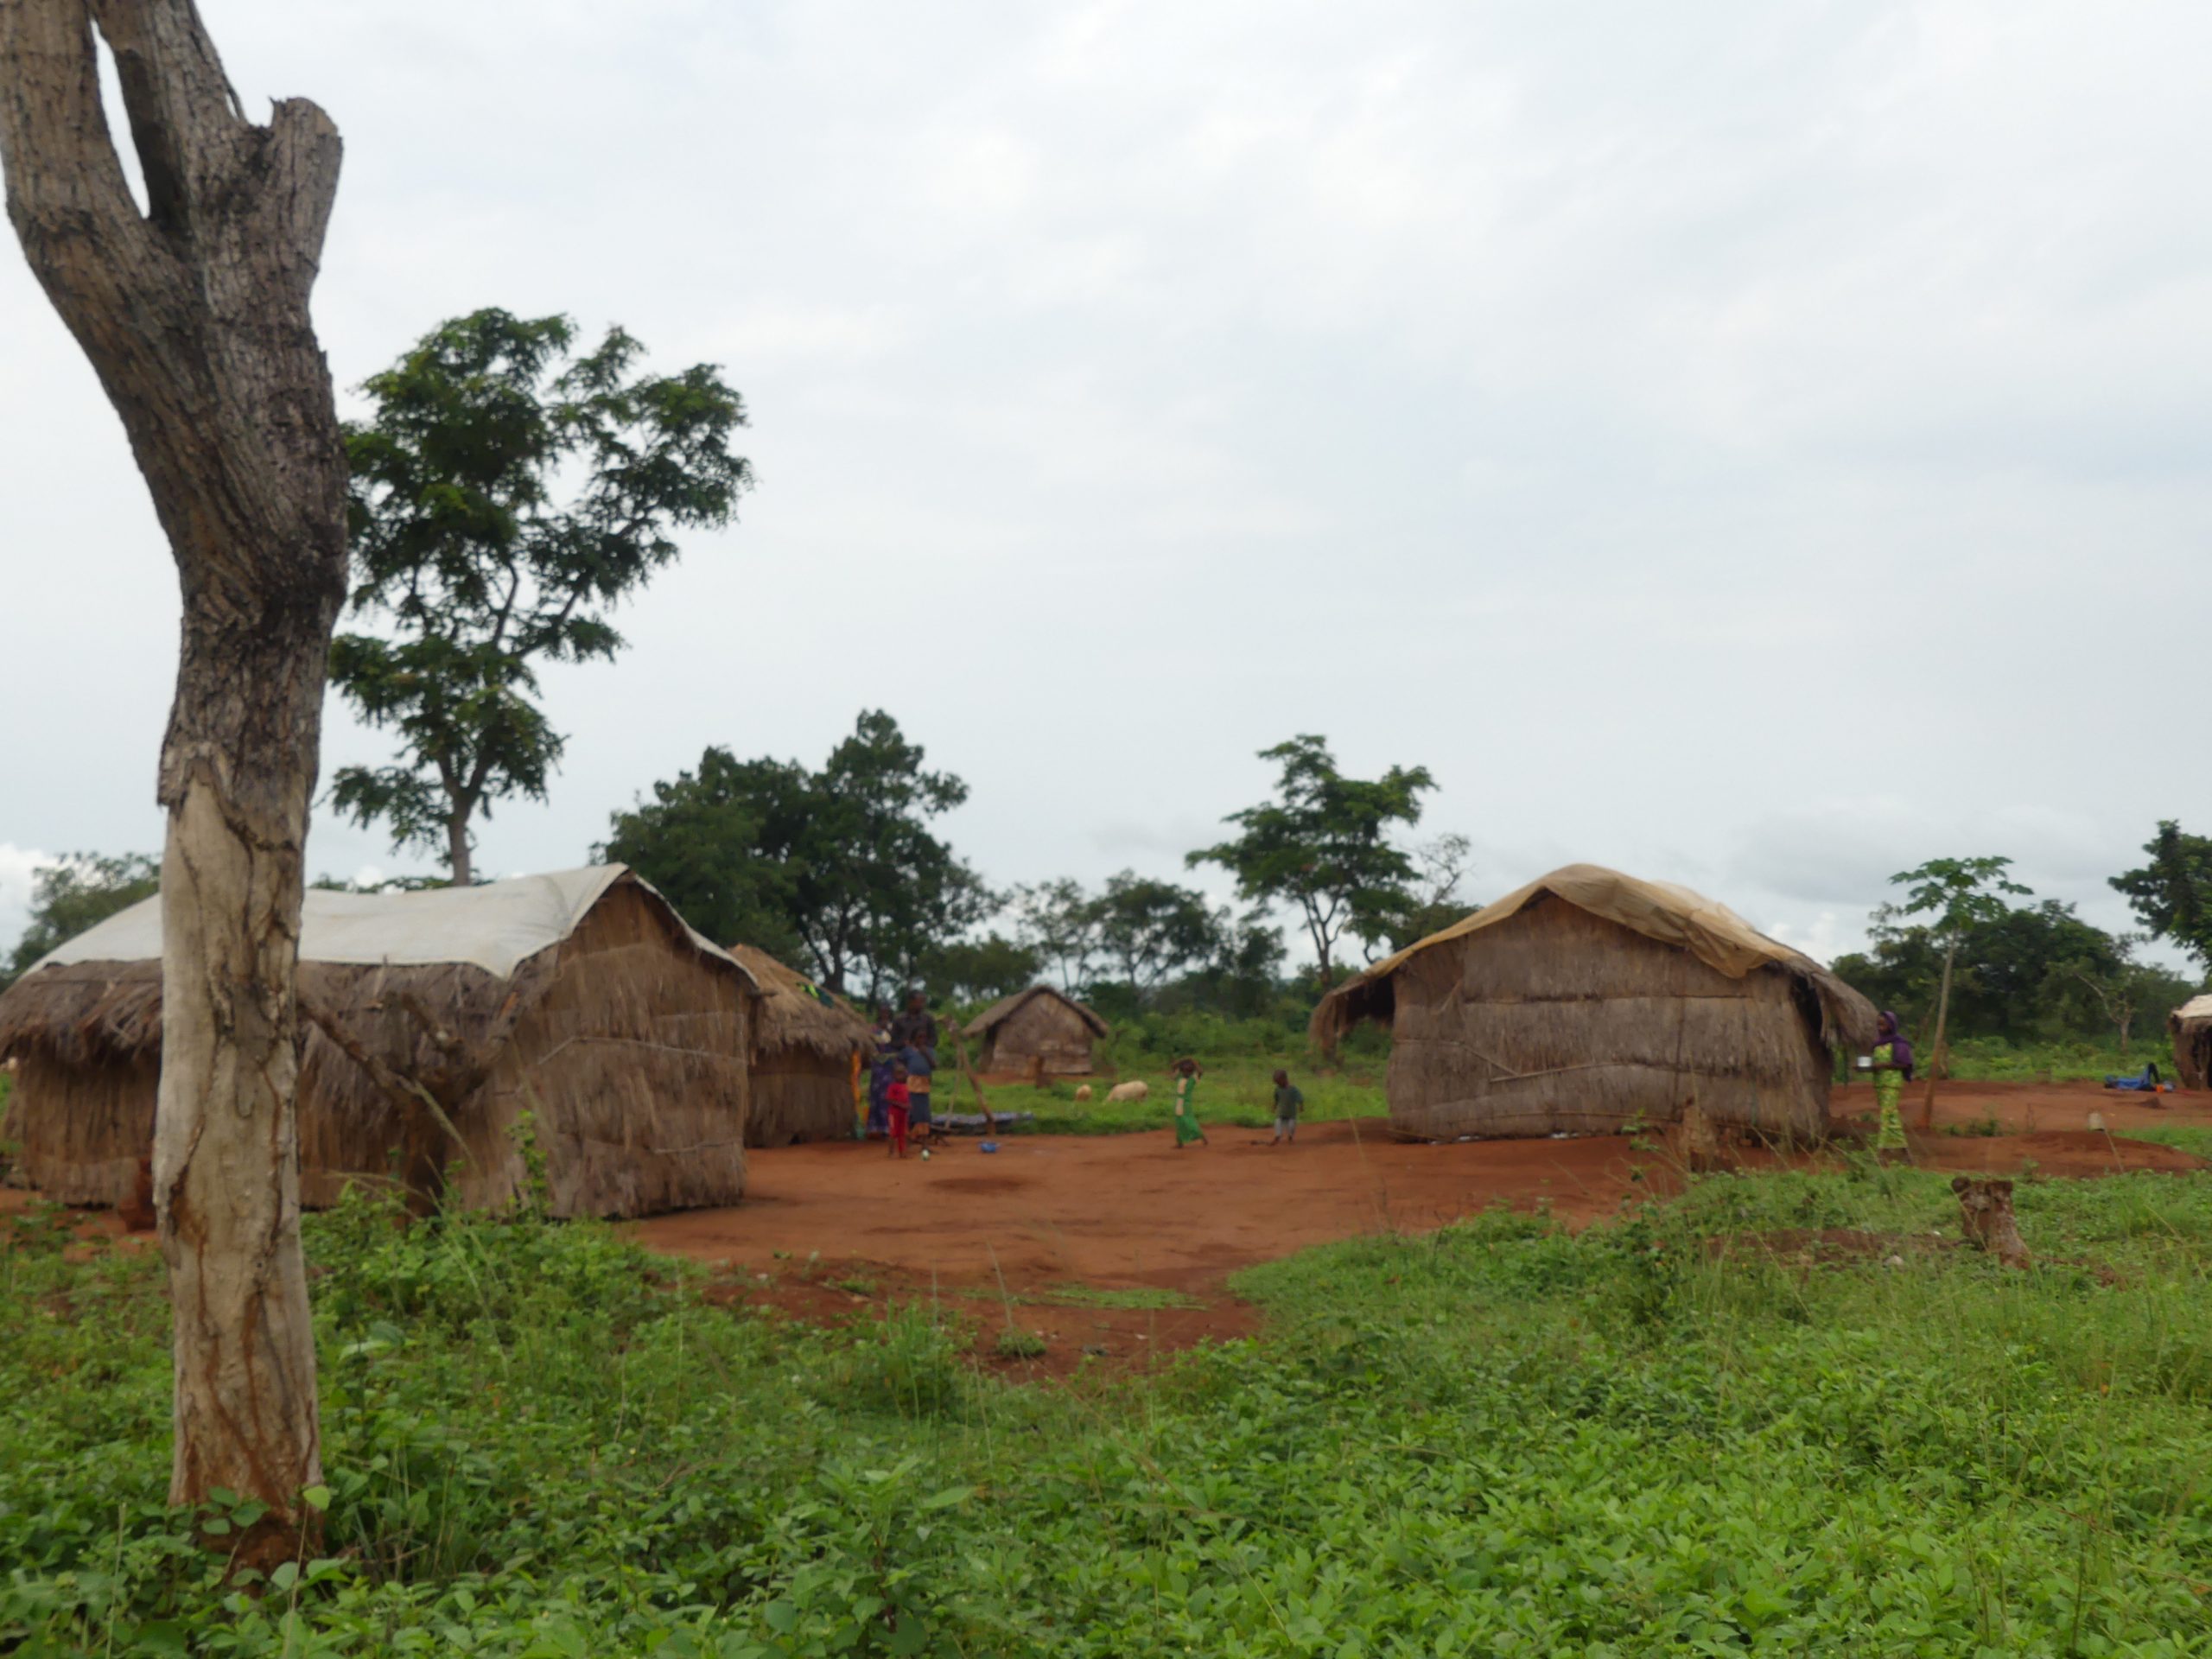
[496, 927]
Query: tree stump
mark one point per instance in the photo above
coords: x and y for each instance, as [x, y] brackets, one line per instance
[1985, 1213]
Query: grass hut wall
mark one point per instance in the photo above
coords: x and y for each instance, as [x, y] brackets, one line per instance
[430, 1023]
[2191, 1027]
[807, 1043]
[1589, 1000]
[1037, 1030]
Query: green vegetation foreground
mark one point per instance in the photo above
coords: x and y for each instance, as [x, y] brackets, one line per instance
[1497, 1439]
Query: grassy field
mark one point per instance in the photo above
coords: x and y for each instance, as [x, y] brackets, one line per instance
[1498, 1439]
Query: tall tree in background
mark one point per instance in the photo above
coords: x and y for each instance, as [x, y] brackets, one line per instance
[71, 894]
[1153, 930]
[1059, 921]
[461, 547]
[1322, 845]
[1433, 901]
[2172, 894]
[843, 858]
[722, 844]
[1956, 895]
[194, 315]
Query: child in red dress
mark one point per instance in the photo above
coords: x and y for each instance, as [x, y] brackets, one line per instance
[895, 1100]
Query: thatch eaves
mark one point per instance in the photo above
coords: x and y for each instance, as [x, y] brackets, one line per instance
[795, 1013]
[455, 966]
[1662, 911]
[999, 1012]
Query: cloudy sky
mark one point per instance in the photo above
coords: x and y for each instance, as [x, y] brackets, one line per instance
[1758, 443]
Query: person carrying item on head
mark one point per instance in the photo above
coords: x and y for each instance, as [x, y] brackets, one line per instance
[1289, 1102]
[1188, 1072]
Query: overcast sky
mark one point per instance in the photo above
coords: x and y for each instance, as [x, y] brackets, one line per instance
[1758, 444]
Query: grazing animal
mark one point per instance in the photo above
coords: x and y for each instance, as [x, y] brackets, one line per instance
[1985, 1211]
[1083, 1091]
[1135, 1089]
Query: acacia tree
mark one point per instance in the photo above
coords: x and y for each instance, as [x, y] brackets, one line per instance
[1960, 894]
[194, 317]
[461, 547]
[1322, 845]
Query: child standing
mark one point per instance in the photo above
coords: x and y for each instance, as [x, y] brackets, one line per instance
[894, 1105]
[921, 1064]
[1287, 1102]
[1187, 1073]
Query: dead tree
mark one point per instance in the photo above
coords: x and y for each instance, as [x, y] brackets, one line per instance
[194, 315]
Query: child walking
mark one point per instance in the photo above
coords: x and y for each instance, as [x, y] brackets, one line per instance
[1187, 1073]
[1287, 1102]
[895, 1099]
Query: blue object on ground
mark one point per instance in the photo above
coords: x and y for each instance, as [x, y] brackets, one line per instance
[990, 1145]
[2146, 1084]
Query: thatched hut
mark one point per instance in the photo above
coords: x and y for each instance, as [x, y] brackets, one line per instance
[431, 1022]
[2191, 1028]
[1038, 1032]
[808, 1047]
[1588, 1001]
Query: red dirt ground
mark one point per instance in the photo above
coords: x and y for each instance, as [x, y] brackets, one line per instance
[1122, 1211]
[840, 1230]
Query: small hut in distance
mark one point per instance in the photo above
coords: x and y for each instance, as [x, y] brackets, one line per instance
[807, 1046]
[1589, 1002]
[2191, 1026]
[1037, 1032]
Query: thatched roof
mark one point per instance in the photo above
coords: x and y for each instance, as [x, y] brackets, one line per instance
[468, 959]
[1670, 914]
[796, 1013]
[1001, 1011]
[2197, 1007]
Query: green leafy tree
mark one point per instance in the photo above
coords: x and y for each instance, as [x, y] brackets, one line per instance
[461, 547]
[839, 866]
[2115, 989]
[975, 970]
[1323, 845]
[1956, 895]
[719, 843]
[1151, 929]
[74, 892]
[1059, 921]
[2172, 894]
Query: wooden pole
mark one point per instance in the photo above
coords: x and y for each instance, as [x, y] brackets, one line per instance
[1935, 1049]
[960, 1056]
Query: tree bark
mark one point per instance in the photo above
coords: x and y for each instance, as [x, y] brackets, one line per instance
[459, 866]
[1935, 1049]
[194, 317]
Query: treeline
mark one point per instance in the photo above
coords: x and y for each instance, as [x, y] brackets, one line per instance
[2033, 969]
[840, 871]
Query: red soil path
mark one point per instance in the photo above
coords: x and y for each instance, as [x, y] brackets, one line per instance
[840, 1230]
[1129, 1211]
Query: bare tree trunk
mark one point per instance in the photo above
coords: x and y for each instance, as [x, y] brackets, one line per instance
[1935, 1049]
[459, 866]
[194, 317]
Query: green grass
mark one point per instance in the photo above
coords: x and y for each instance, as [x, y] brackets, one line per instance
[1236, 1091]
[1994, 1059]
[1495, 1439]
